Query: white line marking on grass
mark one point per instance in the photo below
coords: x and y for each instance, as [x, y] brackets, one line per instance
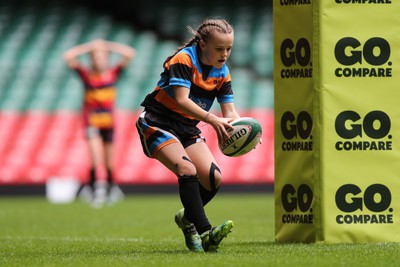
[74, 239]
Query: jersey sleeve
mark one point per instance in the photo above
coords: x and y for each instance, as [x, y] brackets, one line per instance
[225, 93]
[118, 70]
[82, 73]
[180, 70]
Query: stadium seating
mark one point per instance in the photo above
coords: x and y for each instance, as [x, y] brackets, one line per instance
[40, 98]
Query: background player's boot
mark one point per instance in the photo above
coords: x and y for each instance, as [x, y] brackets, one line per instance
[100, 194]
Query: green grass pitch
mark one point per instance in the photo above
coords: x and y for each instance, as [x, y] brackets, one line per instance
[140, 231]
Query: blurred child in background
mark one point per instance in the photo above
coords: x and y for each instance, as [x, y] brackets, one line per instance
[99, 81]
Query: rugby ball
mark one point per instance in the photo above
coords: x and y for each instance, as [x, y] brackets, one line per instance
[244, 137]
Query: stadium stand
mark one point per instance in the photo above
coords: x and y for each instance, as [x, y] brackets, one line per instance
[40, 98]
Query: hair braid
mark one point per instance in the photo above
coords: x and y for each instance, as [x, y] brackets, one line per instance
[204, 32]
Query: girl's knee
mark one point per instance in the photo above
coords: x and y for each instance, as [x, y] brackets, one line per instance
[185, 167]
[211, 179]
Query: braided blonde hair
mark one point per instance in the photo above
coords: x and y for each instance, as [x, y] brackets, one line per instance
[204, 31]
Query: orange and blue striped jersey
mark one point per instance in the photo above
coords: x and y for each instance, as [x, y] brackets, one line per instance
[99, 96]
[205, 83]
[100, 88]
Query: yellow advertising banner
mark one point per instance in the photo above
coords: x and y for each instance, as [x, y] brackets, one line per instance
[337, 120]
[357, 146]
[293, 72]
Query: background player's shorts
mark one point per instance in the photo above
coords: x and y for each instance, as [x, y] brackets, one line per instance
[154, 138]
[106, 135]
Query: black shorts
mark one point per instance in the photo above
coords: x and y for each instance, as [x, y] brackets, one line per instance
[107, 135]
[156, 132]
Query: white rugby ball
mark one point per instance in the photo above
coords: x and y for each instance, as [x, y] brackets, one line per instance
[244, 137]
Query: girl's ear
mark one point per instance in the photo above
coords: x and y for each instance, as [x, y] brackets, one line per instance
[202, 45]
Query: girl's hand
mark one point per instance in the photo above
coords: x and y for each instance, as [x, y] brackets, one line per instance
[220, 125]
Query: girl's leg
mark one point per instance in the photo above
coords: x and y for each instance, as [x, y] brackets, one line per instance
[108, 157]
[207, 170]
[97, 151]
[175, 158]
[210, 180]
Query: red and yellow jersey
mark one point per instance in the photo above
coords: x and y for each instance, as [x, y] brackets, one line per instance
[205, 83]
[99, 95]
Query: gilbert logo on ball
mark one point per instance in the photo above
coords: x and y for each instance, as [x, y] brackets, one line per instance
[244, 137]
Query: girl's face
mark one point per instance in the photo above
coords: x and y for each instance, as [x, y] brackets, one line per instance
[217, 49]
[99, 59]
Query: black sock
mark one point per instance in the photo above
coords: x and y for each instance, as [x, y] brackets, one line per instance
[206, 195]
[92, 178]
[191, 200]
[109, 178]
